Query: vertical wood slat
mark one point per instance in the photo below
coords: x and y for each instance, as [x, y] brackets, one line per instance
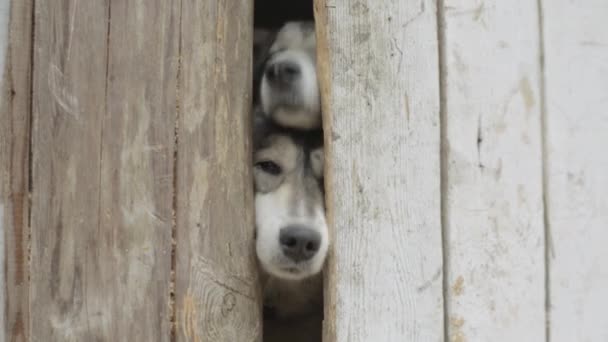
[104, 114]
[5, 157]
[217, 295]
[67, 120]
[137, 168]
[576, 126]
[493, 202]
[15, 101]
[378, 70]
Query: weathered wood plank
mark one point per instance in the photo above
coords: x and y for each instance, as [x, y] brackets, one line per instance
[15, 114]
[67, 289]
[5, 131]
[104, 117]
[576, 83]
[379, 77]
[137, 168]
[493, 203]
[217, 295]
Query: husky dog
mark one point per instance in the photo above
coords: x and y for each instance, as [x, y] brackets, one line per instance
[291, 231]
[289, 91]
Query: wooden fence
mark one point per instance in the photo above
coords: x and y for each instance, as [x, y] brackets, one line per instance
[466, 172]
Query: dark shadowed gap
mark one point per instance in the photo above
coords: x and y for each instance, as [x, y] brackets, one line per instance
[270, 14]
[173, 272]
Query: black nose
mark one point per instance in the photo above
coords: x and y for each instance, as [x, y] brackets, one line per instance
[284, 72]
[299, 243]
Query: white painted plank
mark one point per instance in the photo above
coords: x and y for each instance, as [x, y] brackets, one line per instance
[493, 205]
[379, 75]
[576, 83]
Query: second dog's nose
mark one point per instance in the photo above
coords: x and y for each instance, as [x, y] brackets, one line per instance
[284, 72]
[299, 243]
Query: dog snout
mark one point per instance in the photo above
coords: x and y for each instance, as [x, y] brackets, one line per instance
[299, 243]
[283, 72]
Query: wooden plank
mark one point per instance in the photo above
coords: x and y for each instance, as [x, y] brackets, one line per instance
[378, 70]
[68, 105]
[104, 117]
[137, 168]
[493, 202]
[576, 83]
[15, 114]
[217, 295]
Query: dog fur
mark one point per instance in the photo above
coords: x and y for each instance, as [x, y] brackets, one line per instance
[288, 176]
[292, 291]
[294, 103]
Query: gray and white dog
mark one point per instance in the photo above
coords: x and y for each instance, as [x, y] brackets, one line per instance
[292, 238]
[289, 91]
[291, 231]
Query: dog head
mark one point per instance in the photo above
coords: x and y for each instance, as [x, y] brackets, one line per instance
[291, 231]
[289, 91]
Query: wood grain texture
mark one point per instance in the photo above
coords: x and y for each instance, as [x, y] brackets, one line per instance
[67, 119]
[15, 116]
[104, 117]
[378, 68]
[4, 156]
[493, 158]
[137, 168]
[217, 294]
[576, 83]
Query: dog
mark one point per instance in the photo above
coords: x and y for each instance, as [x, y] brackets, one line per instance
[292, 237]
[287, 78]
[291, 231]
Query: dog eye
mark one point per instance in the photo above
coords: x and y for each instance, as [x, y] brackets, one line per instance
[269, 167]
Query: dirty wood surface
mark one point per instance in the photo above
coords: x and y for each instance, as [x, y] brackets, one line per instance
[576, 83]
[15, 85]
[112, 79]
[379, 77]
[493, 204]
[138, 144]
[217, 296]
[103, 145]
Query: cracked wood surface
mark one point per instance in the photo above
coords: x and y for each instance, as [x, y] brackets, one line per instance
[217, 296]
[15, 100]
[379, 77]
[105, 110]
[103, 142]
[107, 93]
[493, 204]
[576, 126]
